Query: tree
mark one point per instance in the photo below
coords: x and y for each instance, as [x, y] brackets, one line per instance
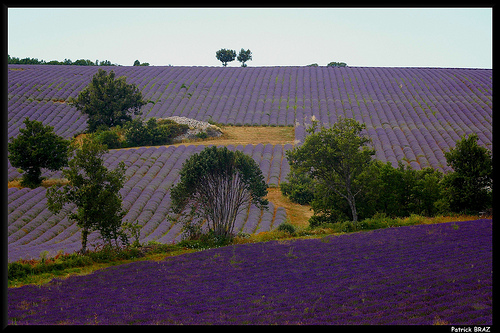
[217, 184]
[244, 56]
[336, 64]
[37, 147]
[138, 63]
[335, 157]
[468, 188]
[95, 192]
[225, 56]
[108, 101]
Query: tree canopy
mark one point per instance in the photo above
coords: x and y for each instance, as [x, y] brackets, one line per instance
[225, 56]
[108, 101]
[37, 147]
[335, 157]
[95, 192]
[244, 56]
[468, 188]
[215, 185]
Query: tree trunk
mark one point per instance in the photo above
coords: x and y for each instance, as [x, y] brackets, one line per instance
[352, 205]
[85, 233]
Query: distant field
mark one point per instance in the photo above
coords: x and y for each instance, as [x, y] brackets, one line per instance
[412, 114]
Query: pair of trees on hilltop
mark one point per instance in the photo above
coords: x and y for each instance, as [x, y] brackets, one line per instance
[225, 56]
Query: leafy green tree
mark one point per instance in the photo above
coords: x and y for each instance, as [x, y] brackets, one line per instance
[225, 56]
[244, 56]
[108, 101]
[83, 62]
[336, 64]
[95, 192]
[215, 185]
[138, 63]
[469, 187]
[37, 147]
[335, 157]
[402, 191]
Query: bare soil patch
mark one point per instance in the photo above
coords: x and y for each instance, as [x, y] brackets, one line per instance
[236, 135]
[297, 214]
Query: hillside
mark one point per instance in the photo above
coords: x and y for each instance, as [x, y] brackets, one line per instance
[412, 114]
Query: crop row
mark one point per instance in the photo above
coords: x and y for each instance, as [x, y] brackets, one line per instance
[412, 114]
[150, 173]
[423, 275]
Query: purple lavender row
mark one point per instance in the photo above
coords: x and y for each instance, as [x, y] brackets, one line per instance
[226, 89]
[412, 114]
[422, 275]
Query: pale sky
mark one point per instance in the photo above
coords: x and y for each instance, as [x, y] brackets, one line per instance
[371, 37]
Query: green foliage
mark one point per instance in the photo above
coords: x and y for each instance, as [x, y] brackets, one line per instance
[153, 132]
[215, 185]
[403, 191]
[299, 188]
[312, 65]
[336, 64]
[35, 61]
[108, 101]
[138, 63]
[244, 56]
[108, 137]
[287, 227]
[225, 56]
[37, 147]
[469, 187]
[95, 192]
[335, 158]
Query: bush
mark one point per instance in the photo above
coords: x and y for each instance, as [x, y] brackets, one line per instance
[290, 228]
[109, 137]
[299, 189]
[153, 132]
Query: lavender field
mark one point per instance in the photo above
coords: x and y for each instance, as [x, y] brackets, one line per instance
[425, 274]
[151, 172]
[412, 114]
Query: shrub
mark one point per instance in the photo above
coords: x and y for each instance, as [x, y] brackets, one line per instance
[153, 132]
[290, 228]
[299, 188]
[109, 137]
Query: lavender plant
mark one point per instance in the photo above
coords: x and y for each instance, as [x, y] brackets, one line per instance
[421, 275]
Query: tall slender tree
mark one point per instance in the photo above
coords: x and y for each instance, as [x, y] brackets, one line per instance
[95, 192]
